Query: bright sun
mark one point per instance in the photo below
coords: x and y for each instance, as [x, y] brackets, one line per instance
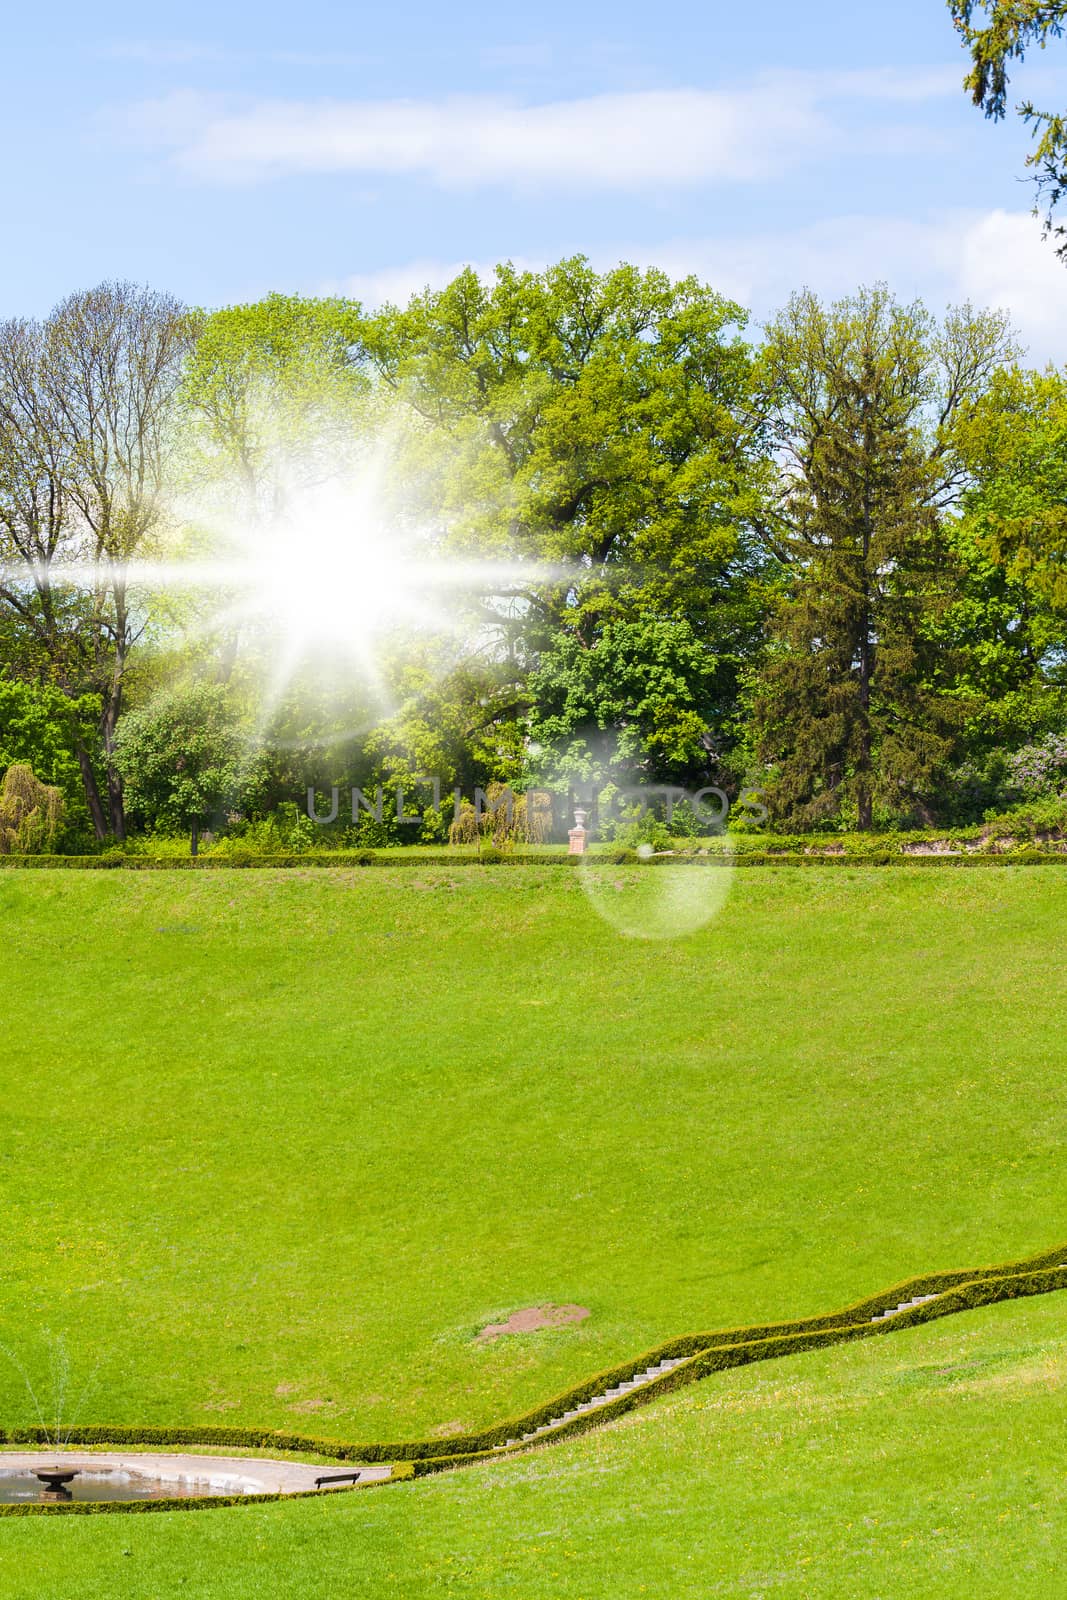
[331, 571]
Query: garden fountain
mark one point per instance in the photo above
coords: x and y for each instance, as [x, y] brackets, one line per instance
[34, 1477]
[55, 1480]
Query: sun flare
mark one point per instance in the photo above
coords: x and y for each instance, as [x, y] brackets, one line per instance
[331, 572]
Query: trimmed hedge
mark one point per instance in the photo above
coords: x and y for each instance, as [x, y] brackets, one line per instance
[235, 862]
[1021, 837]
[702, 1354]
[1023, 855]
[1026, 856]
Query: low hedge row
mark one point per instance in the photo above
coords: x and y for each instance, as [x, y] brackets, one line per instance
[1028, 834]
[703, 1353]
[98, 1508]
[331, 858]
[1022, 855]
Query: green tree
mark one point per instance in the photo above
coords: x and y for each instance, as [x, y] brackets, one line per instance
[1009, 617]
[1014, 443]
[271, 387]
[41, 727]
[183, 758]
[86, 442]
[854, 705]
[998, 32]
[589, 434]
[636, 701]
[277, 403]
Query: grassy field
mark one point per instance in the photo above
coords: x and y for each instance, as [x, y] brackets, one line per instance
[274, 1146]
[925, 1464]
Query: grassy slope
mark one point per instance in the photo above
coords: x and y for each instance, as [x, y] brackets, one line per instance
[273, 1146]
[928, 1463]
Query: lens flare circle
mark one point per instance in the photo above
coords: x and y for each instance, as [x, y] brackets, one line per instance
[665, 895]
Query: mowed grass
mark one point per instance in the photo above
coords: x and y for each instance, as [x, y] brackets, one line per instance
[274, 1145]
[926, 1463]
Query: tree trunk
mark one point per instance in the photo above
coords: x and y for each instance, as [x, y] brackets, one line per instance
[194, 839]
[110, 721]
[114, 782]
[864, 807]
[92, 791]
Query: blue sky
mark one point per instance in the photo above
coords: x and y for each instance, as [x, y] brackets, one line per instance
[224, 151]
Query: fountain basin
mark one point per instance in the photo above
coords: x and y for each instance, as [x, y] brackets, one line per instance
[55, 1478]
[39, 1477]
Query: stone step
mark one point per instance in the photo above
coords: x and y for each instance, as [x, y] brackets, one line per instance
[626, 1387]
[905, 1305]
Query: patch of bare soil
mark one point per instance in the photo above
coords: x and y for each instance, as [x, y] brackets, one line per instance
[530, 1318]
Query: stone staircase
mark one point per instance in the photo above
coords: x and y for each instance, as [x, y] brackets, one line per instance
[905, 1305]
[921, 1300]
[637, 1381]
[650, 1374]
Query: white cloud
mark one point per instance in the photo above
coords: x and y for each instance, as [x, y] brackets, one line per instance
[164, 52]
[900, 84]
[396, 285]
[1005, 262]
[636, 140]
[996, 259]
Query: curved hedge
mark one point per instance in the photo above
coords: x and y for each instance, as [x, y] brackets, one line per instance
[700, 1353]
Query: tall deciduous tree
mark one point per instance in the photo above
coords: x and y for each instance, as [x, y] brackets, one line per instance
[272, 386]
[595, 424]
[1015, 446]
[854, 704]
[998, 32]
[1013, 532]
[86, 413]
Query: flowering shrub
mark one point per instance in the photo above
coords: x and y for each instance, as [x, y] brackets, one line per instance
[1039, 771]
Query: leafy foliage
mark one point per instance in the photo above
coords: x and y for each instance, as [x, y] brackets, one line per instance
[597, 421]
[854, 706]
[183, 758]
[637, 698]
[31, 813]
[1010, 28]
[1014, 443]
[40, 726]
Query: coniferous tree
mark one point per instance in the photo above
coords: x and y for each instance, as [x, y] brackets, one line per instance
[854, 707]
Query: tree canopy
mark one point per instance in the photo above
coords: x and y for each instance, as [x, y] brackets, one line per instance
[651, 547]
[997, 33]
[854, 702]
[183, 758]
[590, 430]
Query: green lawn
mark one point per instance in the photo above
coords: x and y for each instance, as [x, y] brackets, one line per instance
[925, 1464]
[273, 1146]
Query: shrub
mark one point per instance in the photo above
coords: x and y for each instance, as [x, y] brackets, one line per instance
[526, 820]
[1039, 771]
[31, 813]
